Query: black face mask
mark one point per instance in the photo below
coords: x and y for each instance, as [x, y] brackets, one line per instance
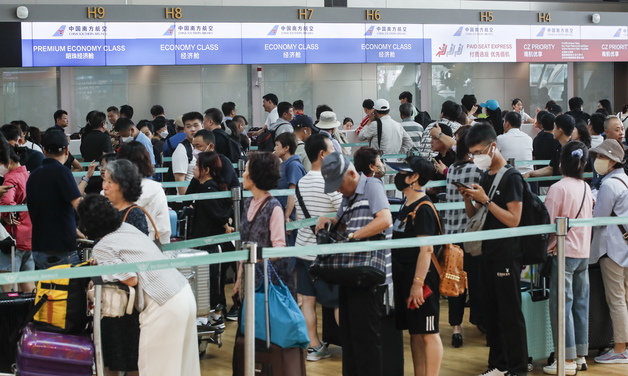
[400, 181]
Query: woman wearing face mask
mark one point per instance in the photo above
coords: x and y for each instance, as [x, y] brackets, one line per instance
[413, 270]
[609, 245]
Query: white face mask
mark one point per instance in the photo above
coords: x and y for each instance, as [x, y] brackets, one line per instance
[601, 166]
[3, 170]
[127, 139]
[163, 134]
[195, 153]
[483, 161]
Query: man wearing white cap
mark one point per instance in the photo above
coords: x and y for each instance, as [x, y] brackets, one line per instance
[328, 123]
[384, 133]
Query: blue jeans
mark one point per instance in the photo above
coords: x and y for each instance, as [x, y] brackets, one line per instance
[576, 306]
[45, 261]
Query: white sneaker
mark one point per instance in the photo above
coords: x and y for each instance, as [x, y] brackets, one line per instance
[493, 372]
[581, 362]
[570, 368]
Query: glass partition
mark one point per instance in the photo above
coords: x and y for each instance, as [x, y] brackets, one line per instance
[594, 81]
[548, 82]
[29, 94]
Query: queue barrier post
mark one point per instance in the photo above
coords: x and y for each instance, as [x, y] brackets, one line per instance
[561, 233]
[100, 365]
[236, 196]
[249, 312]
[511, 161]
[241, 167]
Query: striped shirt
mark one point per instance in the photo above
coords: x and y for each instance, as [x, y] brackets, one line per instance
[415, 131]
[317, 202]
[128, 245]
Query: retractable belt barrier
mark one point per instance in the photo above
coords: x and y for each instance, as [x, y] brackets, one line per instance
[92, 271]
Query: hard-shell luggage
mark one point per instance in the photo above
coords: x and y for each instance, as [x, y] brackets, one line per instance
[600, 325]
[274, 361]
[174, 223]
[198, 276]
[535, 308]
[15, 312]
[54, 354]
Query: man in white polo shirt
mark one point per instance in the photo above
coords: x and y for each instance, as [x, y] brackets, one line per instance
[183, 160]
[514, 143]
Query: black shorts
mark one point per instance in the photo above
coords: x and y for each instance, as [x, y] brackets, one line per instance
[418, 321]
[326, 294]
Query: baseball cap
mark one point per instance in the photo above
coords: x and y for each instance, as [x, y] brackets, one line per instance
[381, 105]
[303, 121]
[491, 104]
[611, 149]
[411, 164]
[333, 170]
[54, 141]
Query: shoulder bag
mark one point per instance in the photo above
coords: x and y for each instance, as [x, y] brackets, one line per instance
[622, 228]
[476, 223]
[117, 300]
[157, 241]
[450, 269]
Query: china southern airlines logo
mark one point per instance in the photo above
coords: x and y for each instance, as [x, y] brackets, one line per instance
[618, 33]
[541, 32]
[273, 31]
[458, 32]
[170, 31]
[59, 33]
[369, 32]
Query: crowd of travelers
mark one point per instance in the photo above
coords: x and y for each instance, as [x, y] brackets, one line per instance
[119, 203]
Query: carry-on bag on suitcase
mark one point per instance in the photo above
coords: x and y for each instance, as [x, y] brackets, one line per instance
[600, 324]
[270, 359]
[535, 308]
[54, 354]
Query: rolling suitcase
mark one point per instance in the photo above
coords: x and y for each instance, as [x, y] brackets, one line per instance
[535, 308]
[600, 325]
[42, 353]
[15, 312]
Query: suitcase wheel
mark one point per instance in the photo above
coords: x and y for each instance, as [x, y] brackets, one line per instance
[530, 365]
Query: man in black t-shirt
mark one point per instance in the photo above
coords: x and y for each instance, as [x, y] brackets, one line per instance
[545, 146]
[501, 258]
[52, 197]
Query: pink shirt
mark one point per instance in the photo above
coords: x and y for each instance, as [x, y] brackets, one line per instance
[277, 225]
[563, 200]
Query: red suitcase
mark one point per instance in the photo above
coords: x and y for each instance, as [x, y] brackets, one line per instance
[53, 354]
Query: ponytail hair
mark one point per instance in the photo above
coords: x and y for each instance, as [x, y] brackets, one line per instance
[211, 160]
[573, 159]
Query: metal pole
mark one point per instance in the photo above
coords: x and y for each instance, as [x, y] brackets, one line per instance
[235, 197]
[249, 313]
[561, 232]
[241, 167]
[100, 366]
[266, 308]
[511, 161]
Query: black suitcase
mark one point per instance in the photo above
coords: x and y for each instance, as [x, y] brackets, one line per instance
[16, 310]
[600, 324]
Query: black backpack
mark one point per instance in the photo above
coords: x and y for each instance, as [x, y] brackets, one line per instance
[265, 141]
[234, 150]
[534, 212]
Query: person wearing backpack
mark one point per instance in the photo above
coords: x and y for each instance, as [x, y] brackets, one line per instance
[501, 258]
[571, 197]
[183, 161]
[415, 277]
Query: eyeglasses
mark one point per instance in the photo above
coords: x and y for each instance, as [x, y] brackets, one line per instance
[471, 155]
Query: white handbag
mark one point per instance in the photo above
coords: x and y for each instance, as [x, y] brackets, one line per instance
[117, 301]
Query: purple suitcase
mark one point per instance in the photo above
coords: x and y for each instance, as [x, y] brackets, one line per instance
[53, 354]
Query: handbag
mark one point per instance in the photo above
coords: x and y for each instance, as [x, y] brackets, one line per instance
[453, 278]
[287, 327]
[476, 223]
[157, 241]
[117, 300]
[357, 269]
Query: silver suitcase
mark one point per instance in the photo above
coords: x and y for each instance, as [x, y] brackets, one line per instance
[198, 276]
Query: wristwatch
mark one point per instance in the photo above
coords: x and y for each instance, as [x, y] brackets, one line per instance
[487, 203]
[350, 236]
[439, 135]
[85, 179]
